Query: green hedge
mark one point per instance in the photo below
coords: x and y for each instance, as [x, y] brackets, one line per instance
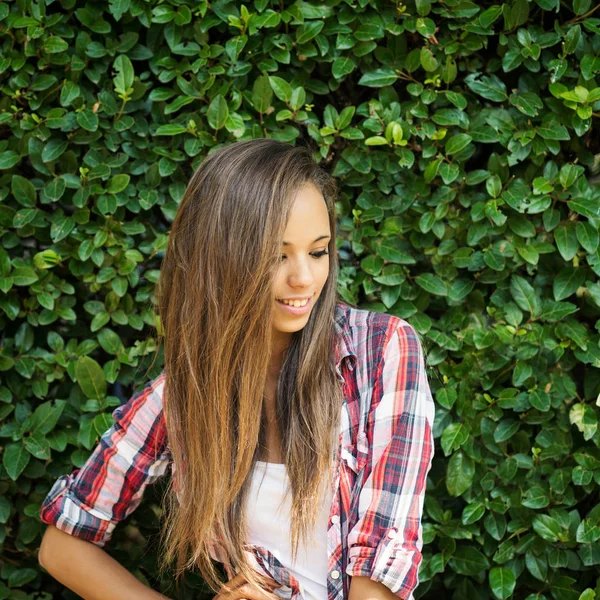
[462, 135]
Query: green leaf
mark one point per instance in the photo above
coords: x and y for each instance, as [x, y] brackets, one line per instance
[70, 91]
[15, 458]
[555, 311]
[454, 436]
[428, 60]
[378, 78]
[446, 397]
[125, 74]
[432, 283]
[46, 416]
[233, 46]
[572, 329]
[61, 228]
[537, 565]
[569, 173]
[23, 276]
[502, 582]
[449, 172]
[298, 98]
[587, 235]
[586, 207]
[432, 169]
[262, 94]
[581, 6]
[102, 423]
[308, 31]
[342, 66]
[566, 241]
[553, 132]
[493, 185]
[110, 341]
[118, 183]
[55, 188]
[88, 120]
[536, 497]
[23, 191]
[472, 513]
[5, 509]
[372, 264]
[540, 399]
[53, 149]
[584, 418]
[345, 117]
[457, 142]
[54, 45]
[521, 226]
[506, 428]
[467, 560]
[217, 112]
[524, 295]
[547, 528]
[90, 377]
[38, 446]
[170, 129]
[528, 103]
[8, 159]
[490, 87]
[20, 577]
[567, 282]
[459, 474]
[282, 89]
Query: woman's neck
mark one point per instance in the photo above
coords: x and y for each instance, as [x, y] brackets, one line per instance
[281, 342]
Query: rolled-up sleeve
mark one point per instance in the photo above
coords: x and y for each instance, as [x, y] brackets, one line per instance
[133, 453]
[385, 543]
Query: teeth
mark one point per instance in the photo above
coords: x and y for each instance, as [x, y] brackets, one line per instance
[295, 303]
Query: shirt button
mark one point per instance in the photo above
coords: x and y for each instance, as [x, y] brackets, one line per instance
[392, 533]
[335, 574]
[335, 519]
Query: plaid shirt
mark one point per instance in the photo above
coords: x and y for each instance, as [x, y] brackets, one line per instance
[384, 455]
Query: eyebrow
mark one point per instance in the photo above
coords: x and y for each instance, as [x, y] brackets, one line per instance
[322, 237]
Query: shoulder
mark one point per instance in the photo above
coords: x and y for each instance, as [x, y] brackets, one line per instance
[370, 335]
[149, 397]
[141, 418]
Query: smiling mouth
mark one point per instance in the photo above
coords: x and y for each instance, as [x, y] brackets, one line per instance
[296, 307]
[294, 302]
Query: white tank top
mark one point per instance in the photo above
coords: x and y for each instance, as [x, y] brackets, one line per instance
[269, 526]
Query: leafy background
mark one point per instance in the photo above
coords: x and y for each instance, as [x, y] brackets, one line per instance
[465, 140]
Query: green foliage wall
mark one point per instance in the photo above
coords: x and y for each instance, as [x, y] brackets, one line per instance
[466, 142]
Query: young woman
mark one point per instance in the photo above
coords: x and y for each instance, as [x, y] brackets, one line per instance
[297, 428]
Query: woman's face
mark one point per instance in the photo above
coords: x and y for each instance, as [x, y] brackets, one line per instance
[304, 262]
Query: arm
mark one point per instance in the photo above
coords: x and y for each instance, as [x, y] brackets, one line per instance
[93, 574]
[385, 544]
[362, 588]
[83, 508]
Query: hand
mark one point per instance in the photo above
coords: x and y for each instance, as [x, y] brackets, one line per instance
[239, 589]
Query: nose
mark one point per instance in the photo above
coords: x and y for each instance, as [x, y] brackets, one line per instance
[300, 275]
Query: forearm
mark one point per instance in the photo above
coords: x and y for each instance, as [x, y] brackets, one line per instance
[88, 570]
[364, 588]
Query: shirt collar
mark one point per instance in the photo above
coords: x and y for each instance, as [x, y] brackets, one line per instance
[345, 345]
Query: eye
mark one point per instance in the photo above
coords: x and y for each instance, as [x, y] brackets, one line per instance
[314, 254]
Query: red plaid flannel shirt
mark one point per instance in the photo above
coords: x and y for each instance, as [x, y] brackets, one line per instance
[386, 447]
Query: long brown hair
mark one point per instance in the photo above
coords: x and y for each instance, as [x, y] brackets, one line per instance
[215, 301]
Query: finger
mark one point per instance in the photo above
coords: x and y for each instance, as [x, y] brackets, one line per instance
[233, 583]
[265, 581]
[248, 592]
[269, 583]
[245, 590]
